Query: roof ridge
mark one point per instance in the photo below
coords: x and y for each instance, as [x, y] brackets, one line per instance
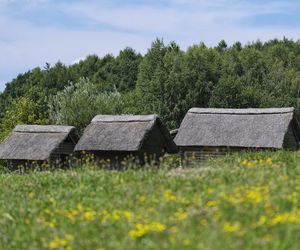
[249, 111]
[43, 128]
[124, 118]
[41, 132]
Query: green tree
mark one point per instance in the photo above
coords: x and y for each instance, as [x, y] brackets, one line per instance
[222, 46]
[21, 111]
[125, 70]
[155, 91]
[78, 103]
[151, 78]
[169, 81]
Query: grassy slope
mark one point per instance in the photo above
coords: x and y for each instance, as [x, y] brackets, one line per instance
[223, 205]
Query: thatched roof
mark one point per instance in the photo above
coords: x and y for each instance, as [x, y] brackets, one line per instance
[259, 128]
[122, 133]
[33, 142]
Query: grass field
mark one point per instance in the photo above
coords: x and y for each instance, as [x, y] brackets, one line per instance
[246, 201]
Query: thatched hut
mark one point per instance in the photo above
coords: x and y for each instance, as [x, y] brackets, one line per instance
[37, 144]
[208, 132]
[115, 137]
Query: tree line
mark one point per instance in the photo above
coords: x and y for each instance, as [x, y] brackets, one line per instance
[166, 80]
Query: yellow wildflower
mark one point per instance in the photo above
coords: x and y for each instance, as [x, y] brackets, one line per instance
[63, 242]
[104, 216]
[253, 196]
[89, 215]
[212, 203]
[269, 161]
[157, 227]
[231, 227]
[244, 162]
[257, 194]
[128, 215]
[287, 217]
[71, 214]
[52, 224]
[279, 218]
[250, 165]
[253, 163]
[142, 229]
[262, 220]
[139, 231]
[116, 215]
[181, 215]
[136, 233]
[169, 196]
[54, 244]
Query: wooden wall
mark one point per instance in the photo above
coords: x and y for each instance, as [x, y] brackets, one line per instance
[195, 156]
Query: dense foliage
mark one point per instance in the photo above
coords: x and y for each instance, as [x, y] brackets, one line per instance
[78, 103]
[166, 80]
[21, 111]
[246, 201]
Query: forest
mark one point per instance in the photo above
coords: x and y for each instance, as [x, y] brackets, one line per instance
[166, 80]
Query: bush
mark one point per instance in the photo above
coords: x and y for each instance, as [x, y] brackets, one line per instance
[21, 111]
[78, 103]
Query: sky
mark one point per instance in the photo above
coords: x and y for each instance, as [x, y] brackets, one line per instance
[33, 32]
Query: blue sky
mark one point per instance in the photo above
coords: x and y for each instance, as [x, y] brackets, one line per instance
[33, 32]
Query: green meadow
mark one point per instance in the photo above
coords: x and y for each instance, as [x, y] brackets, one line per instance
[243, 201]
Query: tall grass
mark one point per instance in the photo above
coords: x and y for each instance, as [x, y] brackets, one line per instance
[243, 201]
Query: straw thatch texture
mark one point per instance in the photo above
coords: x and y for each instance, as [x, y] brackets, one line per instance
[33, 142]
[122, 133]
[247, 128]
[124, 118]
[43, 129]
[250, 111]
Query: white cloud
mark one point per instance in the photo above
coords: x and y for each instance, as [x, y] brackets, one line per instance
[24, 45]
[173, 19]
[208, 21]
[23, 1]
